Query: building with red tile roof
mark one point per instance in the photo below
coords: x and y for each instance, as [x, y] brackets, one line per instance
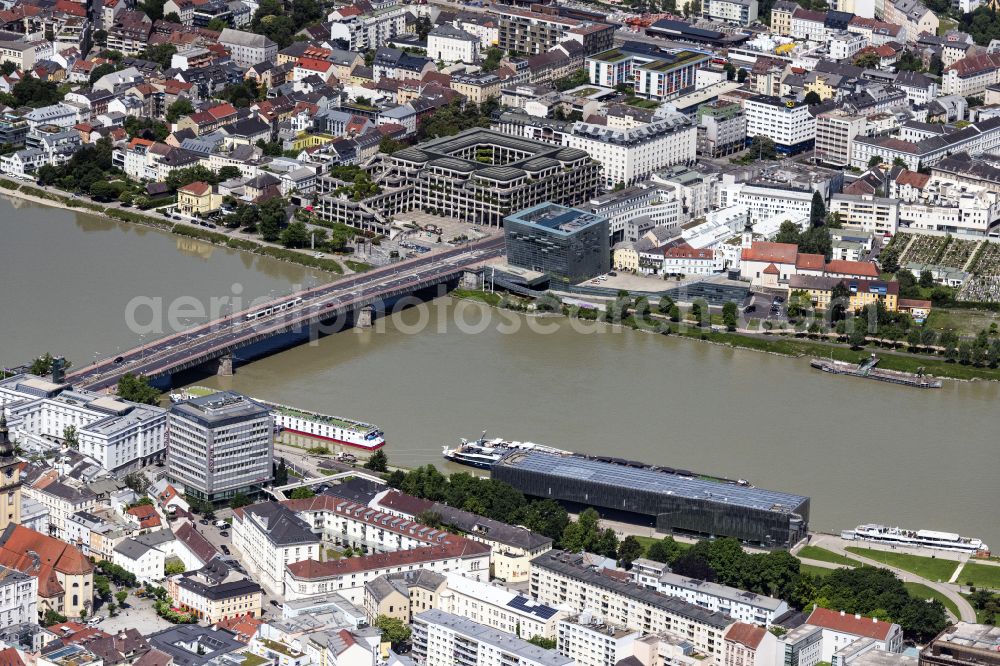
[841, 629]
[10, 657]
[805, 263]
[145, 515]
[65, 576]
[852, 269]
[244, 626]
[748, 645]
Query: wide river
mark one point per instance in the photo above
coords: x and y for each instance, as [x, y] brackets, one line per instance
[864, 451]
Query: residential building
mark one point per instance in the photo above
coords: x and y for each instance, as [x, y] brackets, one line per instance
[788, 123]
[743, 606]
[862, 293]
[722, 129]
[194, 645]
[478, 87]
[18, 598]
[248, 49]
[65, 577]
[362, 30]
[400, 595]
[668, 76]
[835, 134]
[781, 17]
[802, 646]
[740, 12]
[840, 628]
[440, 638]
[271, 536]
[219, 591]
[198, 199]
[61, 499]
[567, 243]
[144, 561]
[872, 214]
[749, 645]
[588, 641]
[532, 33]
[972, 75]
[496, 607]
[450, 44]
[221, 445]
[563, 579]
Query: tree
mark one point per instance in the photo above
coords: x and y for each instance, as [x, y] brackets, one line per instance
[378, 462]
[763, 148]
[730, 70]
[492, 58]
[393, 629]
[70, 437]
[35, 93]
[51, 617]
[741, 75]
[242, 94]
[543, 642]
[629, 550]
[238, 500]
[840, 298]
[302, 493]
[161, 54]
[389, 145]
[295, 235]
[817, 210]
[174, 567]
[730, 315]
[547, 517]
[42, 365]
[137, 482]
[102, 586]
[137, 389]
[121, 596]
[889, 258]
[101, 70]
[182, 107]
[281, 473]
[812, 97]
[665, 550]
[112, 609]
[858, 334]
[867, 59]
[607, 543]
[874, 161]
[272, 219]
[926, 280]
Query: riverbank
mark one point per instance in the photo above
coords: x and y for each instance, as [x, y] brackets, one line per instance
[791, 344]
[47, 198]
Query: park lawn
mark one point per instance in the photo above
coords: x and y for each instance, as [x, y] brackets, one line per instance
[646, 542]
[945, 25]
[923, 592]
[824, 555]
[981, 575]
[814, 570]
[965, 321]
[930, 568]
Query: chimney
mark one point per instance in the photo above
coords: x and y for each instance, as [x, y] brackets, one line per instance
[857, 616]
[841, 613]
[874, 621]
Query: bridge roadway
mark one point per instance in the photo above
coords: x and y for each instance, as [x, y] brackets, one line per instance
[219, 338]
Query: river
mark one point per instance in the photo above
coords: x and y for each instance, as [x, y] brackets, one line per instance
[864, 451]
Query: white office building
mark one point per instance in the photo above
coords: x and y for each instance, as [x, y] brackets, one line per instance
[220, 445]
[443, 639]
[787, 122]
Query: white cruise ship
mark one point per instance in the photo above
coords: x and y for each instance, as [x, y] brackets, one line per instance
[482, 453]
[917, 538]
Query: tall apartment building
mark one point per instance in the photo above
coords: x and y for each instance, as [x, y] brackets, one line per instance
[220, 445]
[835, 133]
[787, 122]
[443, 639]
[533, 33]
[722, 129]
[741, 12]
[588, 641]
[361, 31]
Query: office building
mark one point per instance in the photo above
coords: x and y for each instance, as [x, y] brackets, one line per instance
[835, 134]
[677, 499]
[669, 75]
[477, 175]
[443, 639]
[788, 123]
[740, 12]
[221, 445]
[802, 646]
[568, 243]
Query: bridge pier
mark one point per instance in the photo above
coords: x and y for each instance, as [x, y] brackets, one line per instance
[224, 366]
[365, 317]
[472, 279]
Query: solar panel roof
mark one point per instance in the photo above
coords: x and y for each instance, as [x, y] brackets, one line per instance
[652, 480]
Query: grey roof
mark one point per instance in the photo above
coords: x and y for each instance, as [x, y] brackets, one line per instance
[132, 549]
[572, 565]
[219, 579]
[219, 409]
[507, 643]
[178, 641]
[247, 39]
[493, 530]
[283, 527]
[451, 32]
[649, 479]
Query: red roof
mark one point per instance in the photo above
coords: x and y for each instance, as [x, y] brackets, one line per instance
[314, 64]
[146, 515]
[910, 303]
[685, 251]
[197, 188]
[746, 634]
[779, 253]
[41, 556]
[771, 270]
[810, 262]
[222, 111]
[861, 268]
[10, 657]
[913, 179]
[244, 626]
[846, 623]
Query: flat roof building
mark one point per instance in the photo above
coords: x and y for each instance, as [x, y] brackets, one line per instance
[676, 500]
[964, 644]
[567, 243]
[443, 639]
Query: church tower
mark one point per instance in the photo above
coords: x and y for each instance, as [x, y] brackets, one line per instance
[746, 239]
[10, 479]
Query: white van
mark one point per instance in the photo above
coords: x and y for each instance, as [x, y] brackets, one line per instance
[221, 524]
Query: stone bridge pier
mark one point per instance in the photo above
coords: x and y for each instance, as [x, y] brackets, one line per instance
[472, 279]
[365, 317]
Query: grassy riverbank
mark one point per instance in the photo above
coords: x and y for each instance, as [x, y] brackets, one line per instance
[931, 568]
[38, 195]
[784, 344]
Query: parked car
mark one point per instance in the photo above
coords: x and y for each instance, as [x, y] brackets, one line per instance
[225, 549]
[223, 533]
[275, 603]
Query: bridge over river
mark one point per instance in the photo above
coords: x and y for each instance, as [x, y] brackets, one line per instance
[352, 299]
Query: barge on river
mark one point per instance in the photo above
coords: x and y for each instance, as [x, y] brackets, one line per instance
[867, 370]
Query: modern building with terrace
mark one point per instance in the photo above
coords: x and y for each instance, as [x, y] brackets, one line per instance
[478, 175]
